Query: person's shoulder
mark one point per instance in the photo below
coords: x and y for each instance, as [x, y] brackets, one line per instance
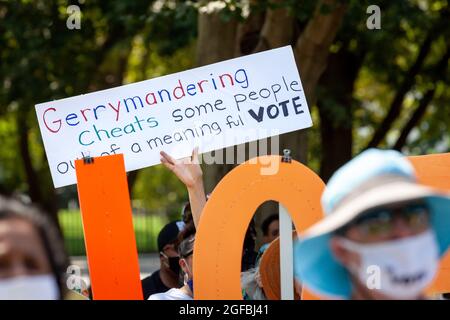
[152, 285]
[172, 294]
[151, 277]
[159, 296]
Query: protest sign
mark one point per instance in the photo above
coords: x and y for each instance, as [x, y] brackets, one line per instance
[434, 170]
[108, 229]
[228, 212]
[212, 107]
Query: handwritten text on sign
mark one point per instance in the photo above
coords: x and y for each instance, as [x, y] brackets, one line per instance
[214, 106]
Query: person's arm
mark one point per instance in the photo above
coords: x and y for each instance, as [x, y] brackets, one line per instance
[189, 172]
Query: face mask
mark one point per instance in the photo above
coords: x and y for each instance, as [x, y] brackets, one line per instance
[41, 287]
[174, 264]
[399, 269]
[190, 283]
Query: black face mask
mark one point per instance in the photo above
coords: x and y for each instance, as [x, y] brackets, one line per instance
[174, 264]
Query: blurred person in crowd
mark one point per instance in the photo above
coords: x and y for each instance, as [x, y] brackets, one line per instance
[32, 257]
[248, 251]
[186, 292]
[252, 288]
[383, 234]
[263, 281]
[186, 213]
[251, 285]
[270, 271]
[270, 228]
[168, 274]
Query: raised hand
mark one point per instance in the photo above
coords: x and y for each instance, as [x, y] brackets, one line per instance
[189, 172]
[187, 169]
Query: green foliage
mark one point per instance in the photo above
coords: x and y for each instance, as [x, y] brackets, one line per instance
[11, 173]
[160, 192]
[171, 28]
[146, 228]
[387, 56]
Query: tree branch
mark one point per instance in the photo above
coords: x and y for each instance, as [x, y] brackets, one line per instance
[216, 38]
[418, 114]
[311, 54]
[335, 105]
[31, 176]
[409, 80]
[312, 48]
[415, 118]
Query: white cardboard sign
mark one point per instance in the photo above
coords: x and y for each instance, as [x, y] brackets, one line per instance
[215, 106]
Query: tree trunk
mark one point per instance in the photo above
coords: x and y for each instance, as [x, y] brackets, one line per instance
[248, 33]
[312, 48]
[216, 38]
[46, 202]
[336, 111]
[216, 42]
[311, 53]
[277, 29]
[34, 190]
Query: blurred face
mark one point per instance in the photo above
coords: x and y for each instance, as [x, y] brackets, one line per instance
[186, 213]
[272, 232]
[186, 266]
[395, 244]
[21, 250]
[25, 271]
[169, 251]
[390, 222]
[170, 259]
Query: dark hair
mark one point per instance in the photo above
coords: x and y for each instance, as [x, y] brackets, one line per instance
[186, 247]
[248, 251]
[48, 232]
[266, 223]
[186, 212]
[187, 233]
[185, 244]
[168, 235]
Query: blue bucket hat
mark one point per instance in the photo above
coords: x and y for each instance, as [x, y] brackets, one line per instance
[374, 178]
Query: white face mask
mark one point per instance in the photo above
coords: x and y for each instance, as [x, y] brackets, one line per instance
[186, 276]
[42, 287]
[399, 269]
